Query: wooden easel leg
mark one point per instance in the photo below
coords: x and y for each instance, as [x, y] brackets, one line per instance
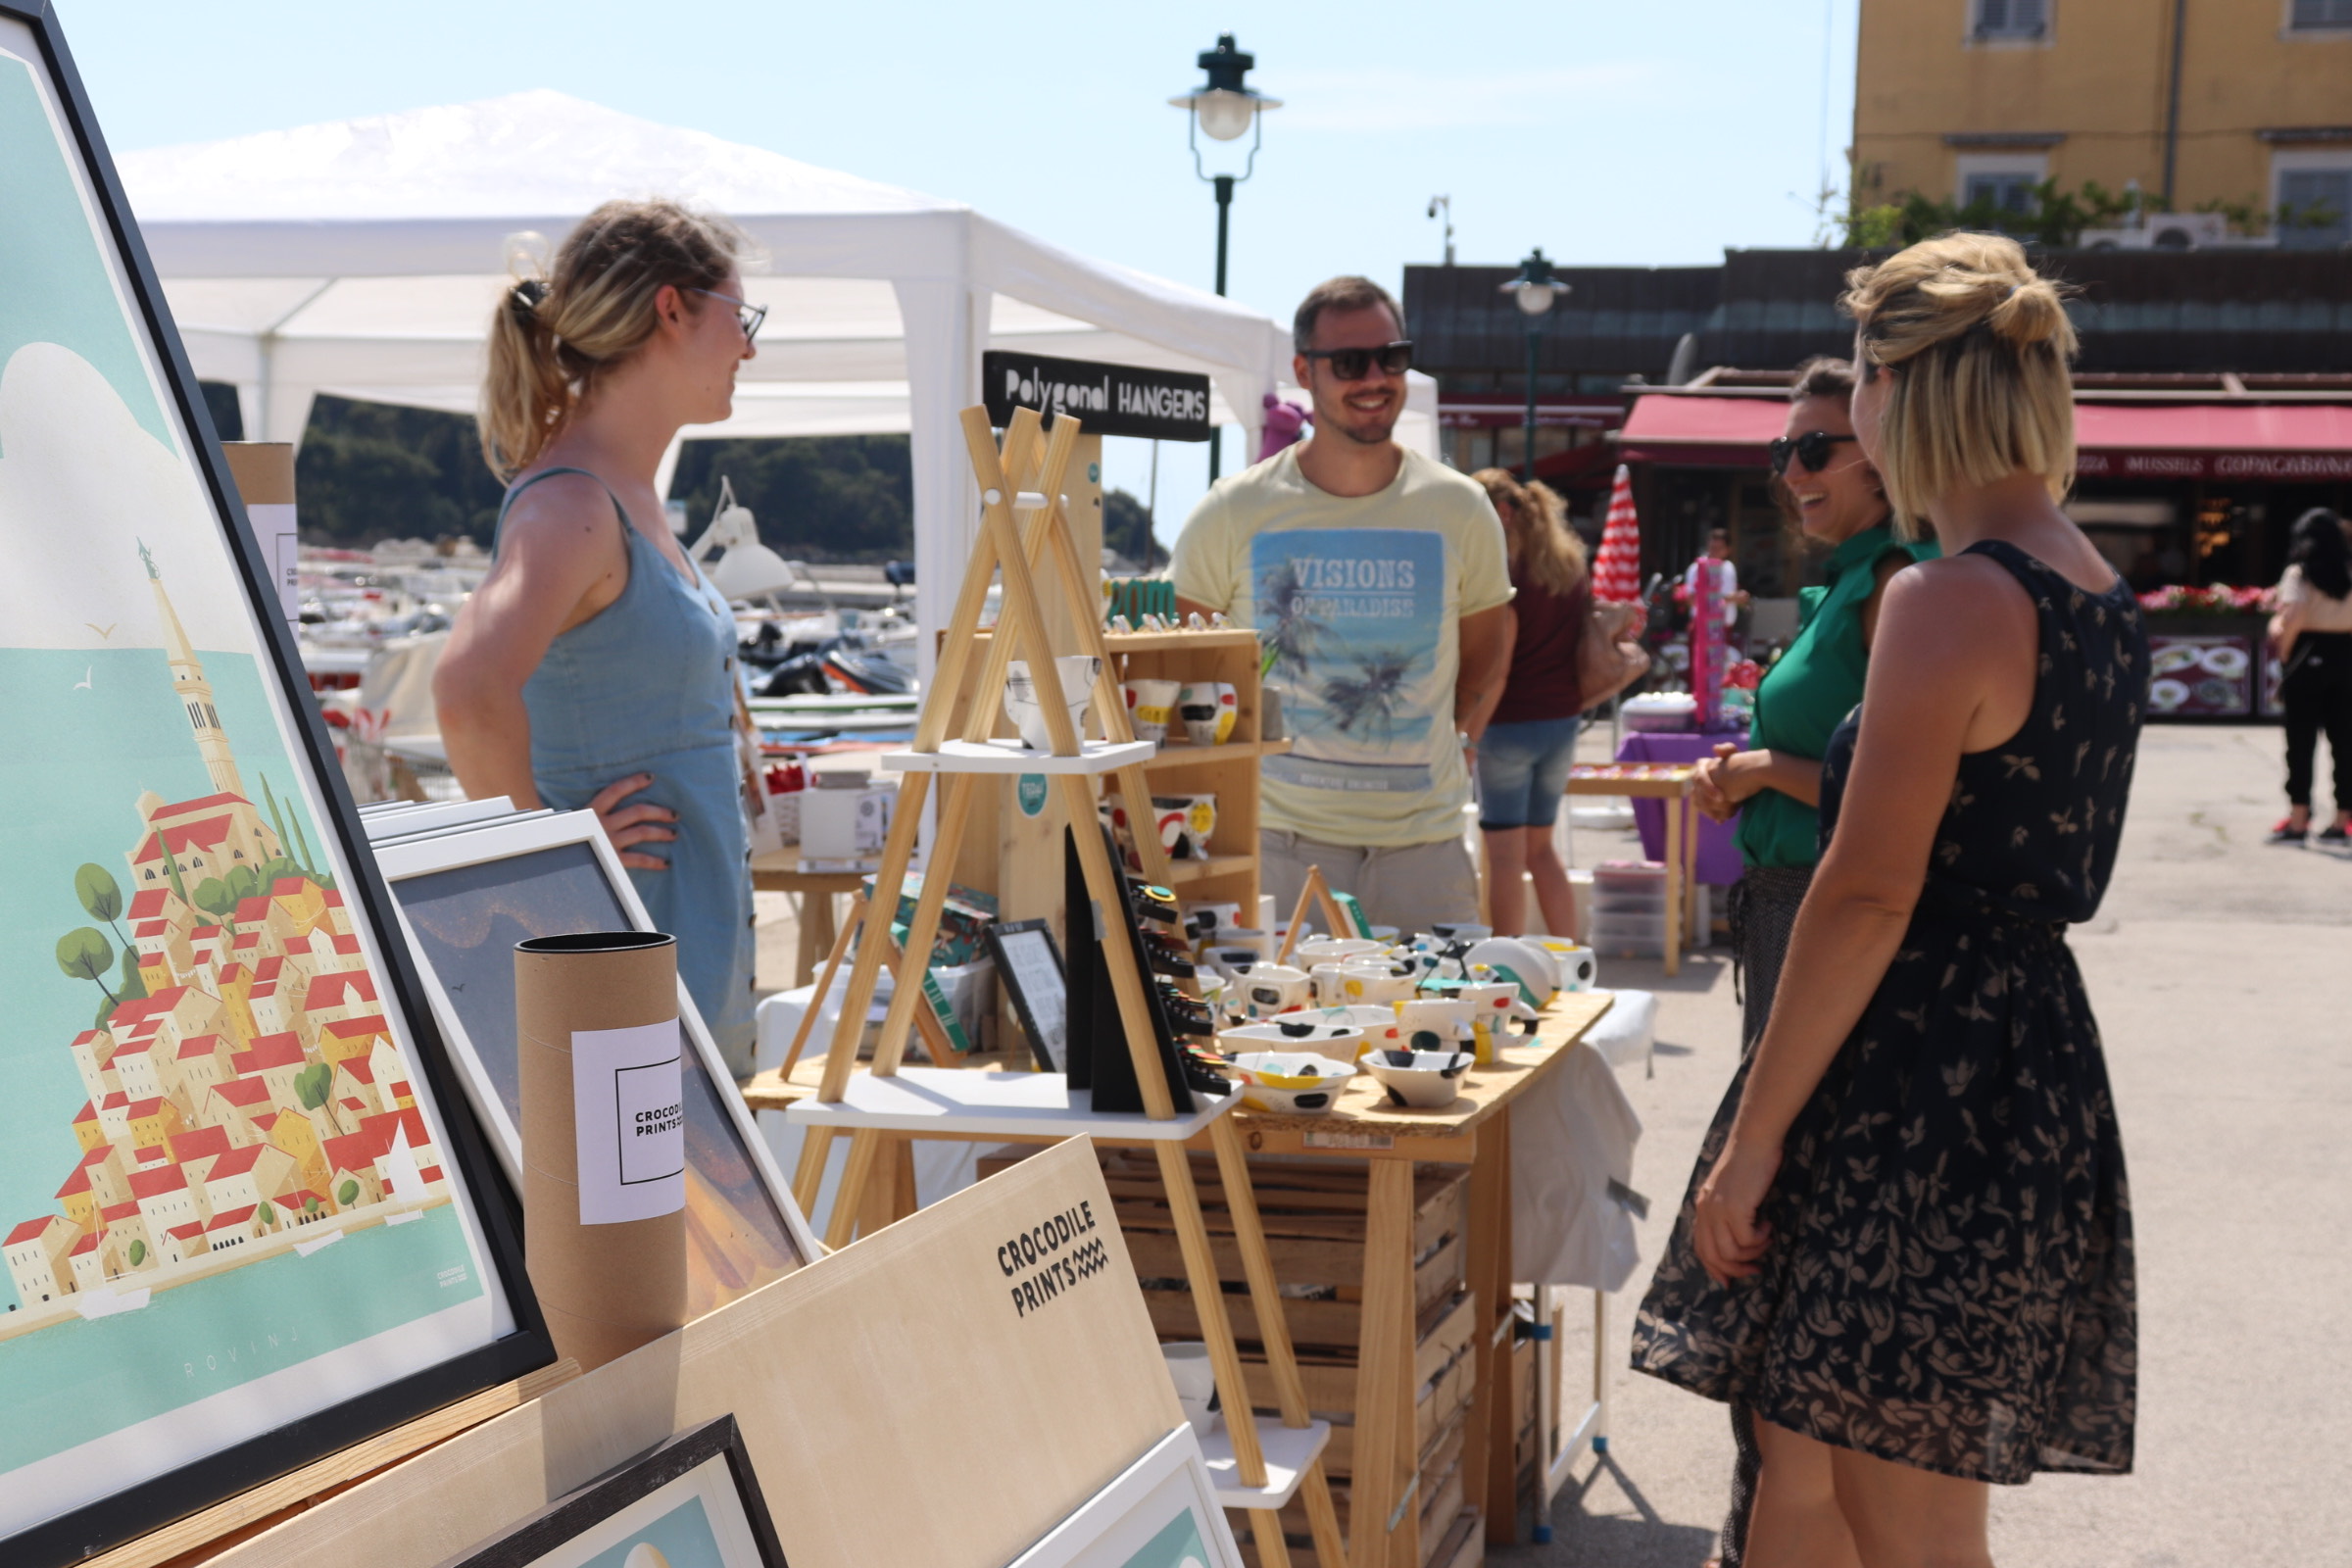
[1209, 1297]
[1265, 1534]
[847, 1201]
[808, 1176]
[824, 983]
[1309, 891]
[1383, 1403]
[1274, 1331]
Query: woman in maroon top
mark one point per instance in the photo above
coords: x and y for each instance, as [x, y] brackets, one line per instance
[1523, 744]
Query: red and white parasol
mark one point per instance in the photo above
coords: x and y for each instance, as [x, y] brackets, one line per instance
[1617, 571]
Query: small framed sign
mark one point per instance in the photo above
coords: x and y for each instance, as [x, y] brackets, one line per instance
[1109, 399]
[1030, 966]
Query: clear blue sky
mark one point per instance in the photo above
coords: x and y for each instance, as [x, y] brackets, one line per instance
[1616, 134]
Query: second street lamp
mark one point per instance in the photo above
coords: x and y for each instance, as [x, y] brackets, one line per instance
[1533, 291]
[1224, 109]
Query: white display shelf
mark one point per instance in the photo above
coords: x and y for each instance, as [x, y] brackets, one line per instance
[1287, 1451]
[1012, 757]
[966, 1103]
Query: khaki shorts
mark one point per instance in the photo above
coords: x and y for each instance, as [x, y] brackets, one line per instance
[1407, 886]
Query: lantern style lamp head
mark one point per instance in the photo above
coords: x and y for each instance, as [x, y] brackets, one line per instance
[1535, 289]
[1223, 107]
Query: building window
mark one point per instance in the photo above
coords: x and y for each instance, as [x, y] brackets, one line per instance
[2318, 16]
[2009, 20]
[2004, 183]
[2315, 203]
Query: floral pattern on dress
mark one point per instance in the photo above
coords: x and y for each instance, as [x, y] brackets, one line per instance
[1949, 1283]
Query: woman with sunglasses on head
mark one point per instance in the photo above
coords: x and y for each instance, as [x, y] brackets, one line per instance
[595, 666]
[1774, 788]
[1907, 1246]
[2312, 633]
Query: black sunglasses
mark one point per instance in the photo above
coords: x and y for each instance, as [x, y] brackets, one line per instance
[746, 316]
[1354, 365]
[1812, 449]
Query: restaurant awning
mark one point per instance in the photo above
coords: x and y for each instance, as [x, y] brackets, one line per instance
[2257, 441]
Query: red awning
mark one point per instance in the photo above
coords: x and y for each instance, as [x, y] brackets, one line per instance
[2215, 440]
[2297, 441]
[1729, 433]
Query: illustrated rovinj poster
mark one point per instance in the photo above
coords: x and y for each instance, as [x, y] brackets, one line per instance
[222, 1183]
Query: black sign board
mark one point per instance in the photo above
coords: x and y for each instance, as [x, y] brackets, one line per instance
[1110, 399]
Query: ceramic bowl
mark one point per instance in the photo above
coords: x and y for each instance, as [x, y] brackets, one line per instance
[1077, 672]
[1376, 982]
[1294, 1031]
[1291, 1083]
[1337, 949]
[1536, 971]
[1419, 1079]
[1271, 988]
[1378, 1022]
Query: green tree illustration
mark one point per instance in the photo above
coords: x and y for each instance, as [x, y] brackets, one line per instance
[138, 1251]
[101, 895]
[84, 953]
[349, 1193]
[310, 1204]
[245, 882]
[215, 898]
[180, 889]
[313, 1086]
[132, 983]
[267, 1215]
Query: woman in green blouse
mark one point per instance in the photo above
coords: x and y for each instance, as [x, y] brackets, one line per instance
[1775, 788]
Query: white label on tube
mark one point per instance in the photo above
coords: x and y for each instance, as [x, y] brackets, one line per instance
[273, 523]
[628, 1102]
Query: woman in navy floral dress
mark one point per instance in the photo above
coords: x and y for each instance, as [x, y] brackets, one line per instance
[1908, 1244]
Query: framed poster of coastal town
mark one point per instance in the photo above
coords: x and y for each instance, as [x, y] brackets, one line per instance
[247, 1220]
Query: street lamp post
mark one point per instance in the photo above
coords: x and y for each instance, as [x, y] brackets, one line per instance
[1222, 108]
[1533, 291]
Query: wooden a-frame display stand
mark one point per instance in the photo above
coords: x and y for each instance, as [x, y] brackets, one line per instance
[1005, 477]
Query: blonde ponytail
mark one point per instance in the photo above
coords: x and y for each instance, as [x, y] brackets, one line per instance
[551, 338]
[1982, 344]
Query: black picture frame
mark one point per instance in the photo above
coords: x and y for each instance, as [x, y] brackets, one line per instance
[148, 1504]
[1012, 974]
[577, 1512]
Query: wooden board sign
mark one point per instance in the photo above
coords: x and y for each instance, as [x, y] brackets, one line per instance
[870, 1388]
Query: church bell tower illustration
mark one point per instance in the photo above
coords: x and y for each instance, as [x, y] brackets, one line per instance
[194, 692]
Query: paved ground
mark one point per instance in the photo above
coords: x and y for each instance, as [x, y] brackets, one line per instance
[2219, 968]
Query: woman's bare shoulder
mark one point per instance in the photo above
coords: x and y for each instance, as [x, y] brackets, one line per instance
[1953, 607]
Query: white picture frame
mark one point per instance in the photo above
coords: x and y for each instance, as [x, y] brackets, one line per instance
[404, 859]
[1123, 1525]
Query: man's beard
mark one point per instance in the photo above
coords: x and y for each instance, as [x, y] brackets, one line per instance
[1363, 434]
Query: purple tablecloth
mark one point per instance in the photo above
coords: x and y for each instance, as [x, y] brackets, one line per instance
[1718, 853]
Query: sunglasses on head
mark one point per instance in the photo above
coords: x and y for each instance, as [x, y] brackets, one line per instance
[1812, 449]
[1354, 365]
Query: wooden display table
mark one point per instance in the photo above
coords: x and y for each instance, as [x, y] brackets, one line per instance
[1673, 784]
[1391, 1143]
[779, 872]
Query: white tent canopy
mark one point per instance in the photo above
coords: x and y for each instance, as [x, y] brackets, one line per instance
[363, 259]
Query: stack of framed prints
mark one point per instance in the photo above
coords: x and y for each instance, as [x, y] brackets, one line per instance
[248, 1218]
[690, 1502]
[470, 883]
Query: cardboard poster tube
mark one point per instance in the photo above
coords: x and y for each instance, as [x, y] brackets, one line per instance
[606, 1287]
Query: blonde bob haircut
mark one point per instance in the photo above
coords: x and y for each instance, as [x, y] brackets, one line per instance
[1982, 344]
[551, 338]
[1544, 549]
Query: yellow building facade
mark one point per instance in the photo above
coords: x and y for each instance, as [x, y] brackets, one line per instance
[1956, 99]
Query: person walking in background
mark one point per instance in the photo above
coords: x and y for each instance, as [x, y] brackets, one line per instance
[1774, 787]
[1907, 1242]
[2312, 637]
[1526, 744]
[1730, 597]
[595, 666]
[1375, 579]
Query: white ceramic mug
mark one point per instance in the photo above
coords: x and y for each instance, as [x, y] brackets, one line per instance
[1579, 969]
[1337, 950]
[1195, 1380]
[1366, 982]
[1208, 710]
[1273, 988]
[1151, 704]
[1446, 1017]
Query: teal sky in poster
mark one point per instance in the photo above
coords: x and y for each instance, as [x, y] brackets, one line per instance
[681, 1536]
[1178, 1546]
[55, 286]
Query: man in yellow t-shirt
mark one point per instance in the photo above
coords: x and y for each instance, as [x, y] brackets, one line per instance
[1379, 583]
